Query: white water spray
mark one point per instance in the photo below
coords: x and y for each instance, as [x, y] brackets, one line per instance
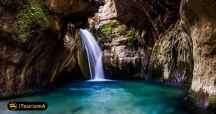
[94, 55]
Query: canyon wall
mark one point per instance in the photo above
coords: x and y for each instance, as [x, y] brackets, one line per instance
[172, 58]
[36, 47]
[141, 39]
[199, 19]
[141, 42]
[144, 40]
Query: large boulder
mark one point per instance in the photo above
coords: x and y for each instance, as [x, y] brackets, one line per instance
[199, 19]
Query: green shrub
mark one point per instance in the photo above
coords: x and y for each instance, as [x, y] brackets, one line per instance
[106, 29]
[31, 12]
[131, 37]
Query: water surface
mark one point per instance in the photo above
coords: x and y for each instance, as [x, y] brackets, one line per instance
[111, 97]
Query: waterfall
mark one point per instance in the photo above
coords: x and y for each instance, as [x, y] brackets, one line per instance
[94, 55]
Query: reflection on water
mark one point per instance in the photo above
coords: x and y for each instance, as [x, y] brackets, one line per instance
[112, 97]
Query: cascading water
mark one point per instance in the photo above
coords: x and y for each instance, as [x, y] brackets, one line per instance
[94, 55]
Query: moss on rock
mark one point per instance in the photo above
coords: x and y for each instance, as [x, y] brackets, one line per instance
[30, 13]
[113, 29]
[106, 29]
[131, 37]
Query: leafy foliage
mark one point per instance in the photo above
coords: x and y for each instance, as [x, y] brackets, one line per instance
[106, 29]
[31, 12]
[131, 35]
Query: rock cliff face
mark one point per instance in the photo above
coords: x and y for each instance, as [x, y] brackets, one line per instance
[200, 20]
[128, 31]
[73, 7]
[122, 55]
[171, 58]
[158, 14]
[34, 51]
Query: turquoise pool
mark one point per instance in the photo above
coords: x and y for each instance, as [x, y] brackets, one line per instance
[109, 97]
